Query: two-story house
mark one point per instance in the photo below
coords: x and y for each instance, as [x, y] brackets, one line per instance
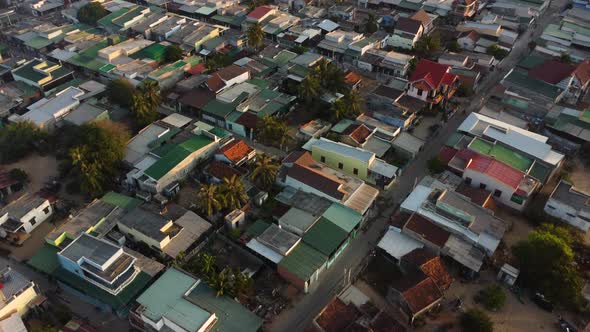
[465, 8]
[406, 33]
[432, 82]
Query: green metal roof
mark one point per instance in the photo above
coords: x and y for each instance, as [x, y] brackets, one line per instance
[221, 133]
[262, 84]
[165, 298]
[120, 200]
[107, 21]
[533, 84]
[89, 58]
[325, 236]
[45, 259]
[343, 217]
[163, 149]
[532, 61]
[27, 71]
[257, 228]
[218, 108]
[284, 57]
[303, 261]
[154, 51]
[231, 20]
[176, 155]
[119, 301]
[107, 68]
[231, 315]
[502, 153]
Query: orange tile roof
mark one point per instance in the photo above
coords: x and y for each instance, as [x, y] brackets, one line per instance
[236, 150]
[422, 295]
[359, 133]
[352, 78]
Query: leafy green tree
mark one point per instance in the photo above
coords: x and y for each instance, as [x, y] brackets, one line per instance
[209, 199]
[496, 51]
[91, 13]
[476, 320]
[436, 165]
[234, 193]
[492, 297]
[145, 102]
[18, 140]
[565, 58]
[265, 171]
[371, 25]
[19, 175]
[120, 91]
[546, 262]
[427, 45]
[331, 78]
[217, 60]
[453, 46]
[95, 159]
[173, 53]
[255, 35]
[354, 102]
[412, 66]
[207, 264]
[299, 49]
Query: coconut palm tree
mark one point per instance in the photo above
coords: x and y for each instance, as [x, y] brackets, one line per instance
[209, 199]
[309, 89]
[354, 102]
[234, 193]
[255, 35]
[242, 284]
[339, 110]
[221, 283]
[144, 113]
[150, 91]
[207, 264]
[265, 171]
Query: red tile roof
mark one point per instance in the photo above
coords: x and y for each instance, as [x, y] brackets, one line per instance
[495, 169]
[337, 316]
[407, 24]
[236, 150]
[198, 69]
[215, 83]
[427, 230]
[197, 98]
[259, 12]
[352, 78]
[421, 16]
[221, 170]
[552, 71]
[248, 120]
[583, 72]
[433, 73]
[422, 295]
[358, 132]
[435, 269]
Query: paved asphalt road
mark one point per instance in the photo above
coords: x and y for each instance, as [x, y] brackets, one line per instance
[300, 315]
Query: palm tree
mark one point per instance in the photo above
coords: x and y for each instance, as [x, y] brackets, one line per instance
[150, 91]
[242, 284]
[234, 193]
[339, 110]
[354, 102]
[207, 264]
[144, 113]
[255, 35]
[221, 283]
[265, 171]
[309, 89]
[209, 199]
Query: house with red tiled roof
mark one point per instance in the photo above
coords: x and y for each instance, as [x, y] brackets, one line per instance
[432, 82]
[236, 152]
[226, 77]
[352, 79]
[509, 185]
[259, 14]
[356, 135]
[416, 294]
[425, 261]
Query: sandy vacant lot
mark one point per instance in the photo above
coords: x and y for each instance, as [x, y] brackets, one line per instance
[40, 170]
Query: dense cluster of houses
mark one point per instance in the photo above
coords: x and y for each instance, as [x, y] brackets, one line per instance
[329, 184]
